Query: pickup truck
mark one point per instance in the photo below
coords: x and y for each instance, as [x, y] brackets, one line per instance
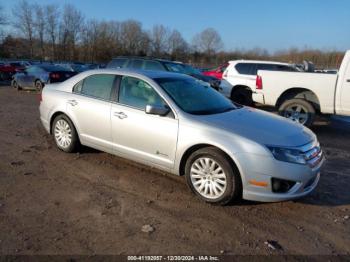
[299, 96]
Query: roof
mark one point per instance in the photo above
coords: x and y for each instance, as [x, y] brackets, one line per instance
[147, 58]
[135, 72]
[257, 62]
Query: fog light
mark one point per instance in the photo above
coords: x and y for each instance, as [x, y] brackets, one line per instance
[281, 185]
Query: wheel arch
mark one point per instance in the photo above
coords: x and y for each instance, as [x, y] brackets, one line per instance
[238, 87]
[196, 147]
[57, 113]
[302, 93]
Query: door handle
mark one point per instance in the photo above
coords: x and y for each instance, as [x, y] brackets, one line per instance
[72, 102]
[120, 115]
[348, 80]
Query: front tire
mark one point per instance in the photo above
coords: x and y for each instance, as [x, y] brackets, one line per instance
[65, 134]
[211, 176]
[298, 110]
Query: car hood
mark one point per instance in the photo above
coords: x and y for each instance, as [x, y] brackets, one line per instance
[262, 127]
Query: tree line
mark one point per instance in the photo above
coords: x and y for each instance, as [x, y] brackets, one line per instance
[55, 33]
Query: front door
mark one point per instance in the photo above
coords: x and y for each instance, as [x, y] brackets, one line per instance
[149, 138]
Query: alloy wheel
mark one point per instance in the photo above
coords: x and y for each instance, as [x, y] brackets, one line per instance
[297, 113]
[208, 178]
[63, 133]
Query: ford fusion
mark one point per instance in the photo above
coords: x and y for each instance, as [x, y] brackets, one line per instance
[180, 125]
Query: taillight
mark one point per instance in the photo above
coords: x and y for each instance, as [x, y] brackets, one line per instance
[55, 75]
[258, 82]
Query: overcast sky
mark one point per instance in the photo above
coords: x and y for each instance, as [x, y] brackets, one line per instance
[270, 24]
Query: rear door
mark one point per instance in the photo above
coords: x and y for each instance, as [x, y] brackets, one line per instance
[90, 108]
[137, 135]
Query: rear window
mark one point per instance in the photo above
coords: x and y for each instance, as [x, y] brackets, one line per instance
[117, 63]
[245, 68]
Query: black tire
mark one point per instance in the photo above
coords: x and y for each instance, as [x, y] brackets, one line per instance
[242, 96]
[287, 108]
[38, 85]
[16, 85]
[233, 181]
[74, 144]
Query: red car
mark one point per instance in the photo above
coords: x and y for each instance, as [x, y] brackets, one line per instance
[8, 69]
[217, 72]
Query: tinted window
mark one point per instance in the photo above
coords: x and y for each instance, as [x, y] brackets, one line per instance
[245, 68]
[137, 93]
[153, 65]
[117, 63]
[195, 97]
[99, 86]
[136, 64]
[275, 67]
[266, 67]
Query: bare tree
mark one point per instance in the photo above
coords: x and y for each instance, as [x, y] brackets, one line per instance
[71, 26]
[40, 27]
[208, 41]
[159, 37]
[52, 18]
[177, 45]
[133, 39]
[23, 20]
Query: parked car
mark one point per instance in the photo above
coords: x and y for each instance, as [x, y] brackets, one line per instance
[146, 63]
[6, 71]
[78, 68]
[300, 96]
[35, 77]
[179, 124]
[216, 72]
[240, 78]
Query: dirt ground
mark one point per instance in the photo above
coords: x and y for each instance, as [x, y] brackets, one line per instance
[95, 203]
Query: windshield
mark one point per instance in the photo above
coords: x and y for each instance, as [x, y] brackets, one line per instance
[182, 68]
[194, 96]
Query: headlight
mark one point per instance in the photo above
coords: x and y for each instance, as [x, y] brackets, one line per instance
[288, 155]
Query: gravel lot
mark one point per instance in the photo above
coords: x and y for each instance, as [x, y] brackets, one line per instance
[96, 203]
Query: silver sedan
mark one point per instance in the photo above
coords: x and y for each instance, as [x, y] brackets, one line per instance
[181, 125]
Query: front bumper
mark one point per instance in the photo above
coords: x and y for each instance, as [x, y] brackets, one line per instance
[306, 177]
[300, 189]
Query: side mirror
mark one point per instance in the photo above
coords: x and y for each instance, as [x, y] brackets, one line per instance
[157, 110]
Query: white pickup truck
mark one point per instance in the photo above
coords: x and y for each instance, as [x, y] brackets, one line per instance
[300, 95]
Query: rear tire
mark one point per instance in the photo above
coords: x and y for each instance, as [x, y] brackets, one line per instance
[211, 176]
[16, 85]
[298, 110]
[242, 96]
[65, 134]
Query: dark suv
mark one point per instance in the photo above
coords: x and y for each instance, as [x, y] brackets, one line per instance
[146, 63]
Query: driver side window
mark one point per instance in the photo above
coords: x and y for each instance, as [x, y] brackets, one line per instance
[137, 93]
